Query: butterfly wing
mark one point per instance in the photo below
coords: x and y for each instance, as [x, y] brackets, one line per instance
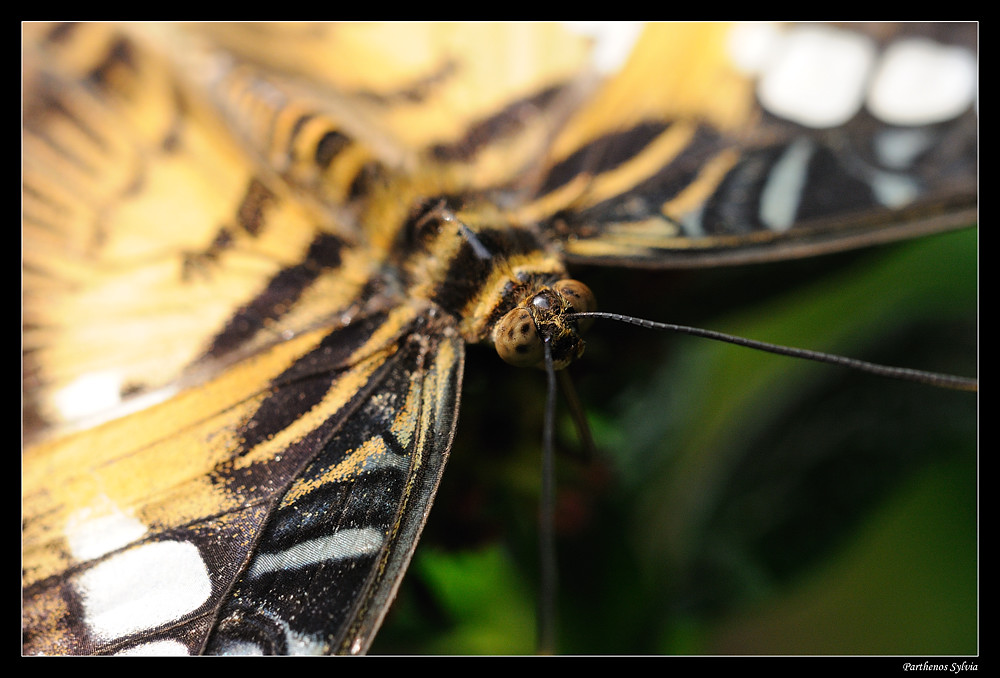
[159, 255]
[686, 160]
[145, 225]
[266, 508]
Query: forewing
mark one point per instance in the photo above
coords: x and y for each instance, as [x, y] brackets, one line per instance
[272, 510]
[476, 100]
[684, 160]
[152, 240]
[167, 255]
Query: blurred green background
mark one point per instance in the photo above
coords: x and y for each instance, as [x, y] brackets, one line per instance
[737, 503]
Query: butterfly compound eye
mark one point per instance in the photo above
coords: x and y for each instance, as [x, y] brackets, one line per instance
[577, 294]
[517, 340]
[579, 297]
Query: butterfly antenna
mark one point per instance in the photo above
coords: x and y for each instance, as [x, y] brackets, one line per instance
[919, 376]
[546, 529]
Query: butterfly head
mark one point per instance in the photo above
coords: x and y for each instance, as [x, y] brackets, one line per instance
[521, 334]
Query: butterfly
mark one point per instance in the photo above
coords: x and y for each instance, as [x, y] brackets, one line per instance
[276, 256]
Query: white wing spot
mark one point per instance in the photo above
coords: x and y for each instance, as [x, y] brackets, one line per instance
[143, 587]
[158, 648]
[893, 190]
[244, 648]
[344, 544]
[817, 76]
[921, 82]
[613, 41]
[97, 530]
[779, 201]
[296, 643]
[898, 148]
[88, 395]
[751, 46]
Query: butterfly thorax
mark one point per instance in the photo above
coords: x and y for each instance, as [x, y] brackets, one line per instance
[495, 276]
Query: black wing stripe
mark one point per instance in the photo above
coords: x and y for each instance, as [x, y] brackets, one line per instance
[330, 546]
[646, 197]
[495, 128]
[308, 148]
[305, 383]
[603, 154]
[279, 296]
